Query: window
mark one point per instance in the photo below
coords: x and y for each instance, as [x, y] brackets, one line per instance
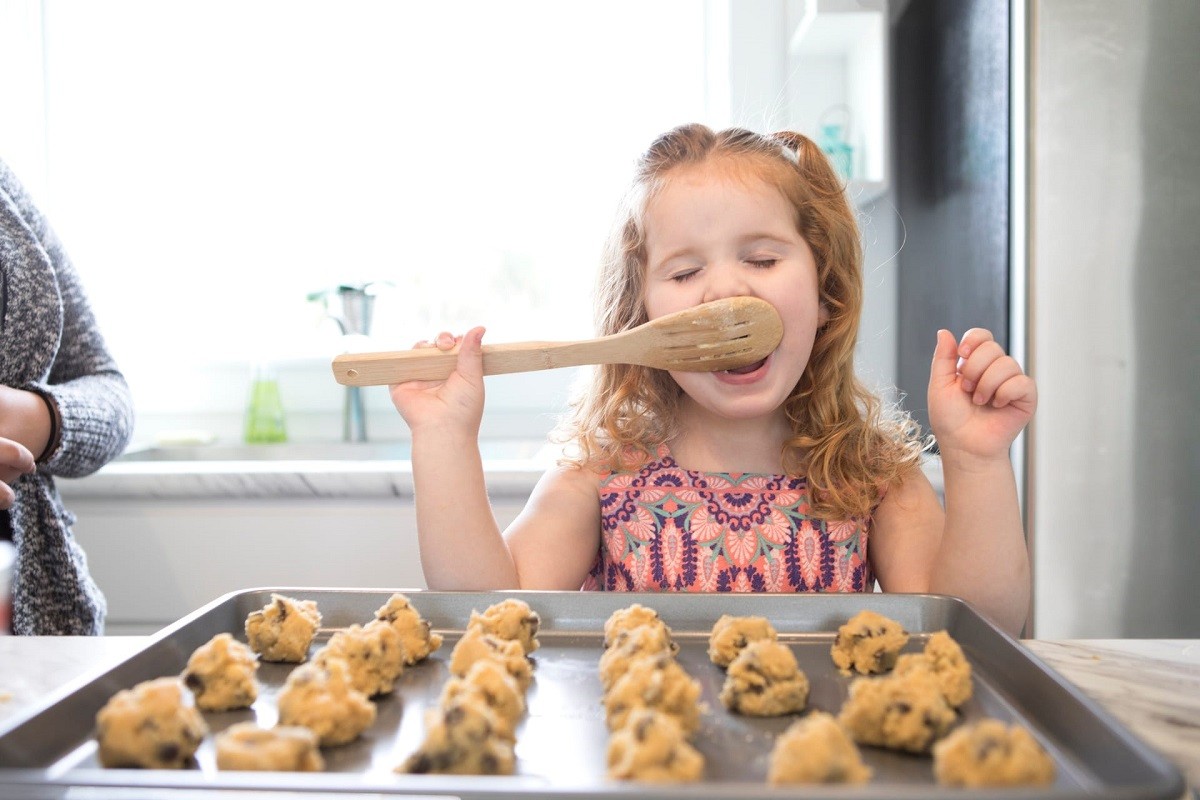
[209, 164]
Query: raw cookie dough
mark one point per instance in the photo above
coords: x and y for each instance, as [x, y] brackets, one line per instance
[652, 747]
[634, 616]
[868, 643]
[321, 698]
[283, 629]
[900, 712]
[414, 631]
[657, 682]
[220, 674]
[285, 748]
[510, 619]
[373, 654]
[476, 645]
[489, 680]
[149, 726]
[765, 681]
[944, 658]
[642, 640]
[461, 738]
[815, 749]
[730, 634]
[990, 753]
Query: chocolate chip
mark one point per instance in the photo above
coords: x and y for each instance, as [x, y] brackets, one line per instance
[489, 763]
[420, 764]
[194, 682]
[455, 715]
[168, 752]
[643, 728]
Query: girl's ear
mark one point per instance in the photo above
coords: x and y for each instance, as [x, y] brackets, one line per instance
[822, 315]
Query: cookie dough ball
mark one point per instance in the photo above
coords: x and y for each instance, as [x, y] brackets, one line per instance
[490, 681]
[220, 674]
[730, 634]
[652, 747]
[476, 645]
[510, 619]
[322, 698]
[868, 643]
[373, 654]
[283, 629]
[991, 753]
[415, 634]
[816, 749]
[945, 660]
[629, 644]
[461, 738]
[634, 616]
[289, 748]
[900, 712]
[151, 726]
[656, 682]
[765, 681]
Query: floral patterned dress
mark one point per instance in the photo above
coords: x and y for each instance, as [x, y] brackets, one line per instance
[666, 528]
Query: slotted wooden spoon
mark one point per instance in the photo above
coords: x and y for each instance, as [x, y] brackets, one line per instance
[723, 334]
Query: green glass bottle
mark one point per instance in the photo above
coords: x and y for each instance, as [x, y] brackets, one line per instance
[265, 422]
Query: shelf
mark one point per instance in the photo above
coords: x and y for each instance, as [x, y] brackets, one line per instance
[844, 42]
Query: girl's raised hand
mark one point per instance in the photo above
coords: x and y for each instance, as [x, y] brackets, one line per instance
[456, 402]
[979, 397]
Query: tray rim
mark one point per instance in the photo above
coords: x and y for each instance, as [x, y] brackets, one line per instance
[1172, 784]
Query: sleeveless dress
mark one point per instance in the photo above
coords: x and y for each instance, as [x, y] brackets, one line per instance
[665, 528]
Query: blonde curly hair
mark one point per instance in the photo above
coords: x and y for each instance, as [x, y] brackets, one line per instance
[849, 447]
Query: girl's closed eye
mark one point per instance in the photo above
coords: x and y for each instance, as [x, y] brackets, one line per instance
[762, 263]
[684, 275]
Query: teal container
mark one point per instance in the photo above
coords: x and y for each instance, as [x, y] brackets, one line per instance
[833, 143]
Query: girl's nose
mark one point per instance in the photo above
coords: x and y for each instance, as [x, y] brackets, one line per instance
[725, 280]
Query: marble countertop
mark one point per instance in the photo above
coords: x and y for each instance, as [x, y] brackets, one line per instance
[174, 480]
[1150, 685]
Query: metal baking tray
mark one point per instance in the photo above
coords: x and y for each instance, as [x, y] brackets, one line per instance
[561, 743]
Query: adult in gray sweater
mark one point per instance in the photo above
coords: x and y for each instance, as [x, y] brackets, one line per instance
[65, 410]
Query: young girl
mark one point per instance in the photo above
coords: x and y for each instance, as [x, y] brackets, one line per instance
[781, 476]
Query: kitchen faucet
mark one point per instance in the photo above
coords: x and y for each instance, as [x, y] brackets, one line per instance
[351, 308]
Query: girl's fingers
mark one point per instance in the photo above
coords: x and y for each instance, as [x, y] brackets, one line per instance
[1020, 391]
[944, 369]
[470, 357]
[971, 341]
[982, 356]
[999, 371]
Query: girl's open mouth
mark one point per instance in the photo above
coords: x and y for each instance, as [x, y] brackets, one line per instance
[746, 370]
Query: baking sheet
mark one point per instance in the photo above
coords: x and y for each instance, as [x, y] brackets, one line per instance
[561, 742]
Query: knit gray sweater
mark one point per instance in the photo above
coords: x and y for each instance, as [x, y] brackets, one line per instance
[49, 344]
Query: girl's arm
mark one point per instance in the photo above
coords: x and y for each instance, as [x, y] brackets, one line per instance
[976, 549]
[459, 538]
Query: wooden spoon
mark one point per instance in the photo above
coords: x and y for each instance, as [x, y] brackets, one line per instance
[723, 334]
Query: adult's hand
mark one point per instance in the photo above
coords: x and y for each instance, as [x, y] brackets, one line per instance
[15, 461]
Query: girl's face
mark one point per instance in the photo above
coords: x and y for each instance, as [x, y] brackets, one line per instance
[711, 234]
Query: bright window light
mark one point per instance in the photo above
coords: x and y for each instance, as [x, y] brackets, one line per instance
[209, 164]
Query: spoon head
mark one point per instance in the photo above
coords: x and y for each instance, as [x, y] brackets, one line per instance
[723, 334]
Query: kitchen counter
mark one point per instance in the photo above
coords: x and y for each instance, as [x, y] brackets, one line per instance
[1150, 685]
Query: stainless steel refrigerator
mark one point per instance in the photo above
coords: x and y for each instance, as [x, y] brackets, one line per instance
[1048, 177]
[1114, 327]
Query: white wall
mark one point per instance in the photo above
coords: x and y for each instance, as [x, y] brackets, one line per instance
[158, 560]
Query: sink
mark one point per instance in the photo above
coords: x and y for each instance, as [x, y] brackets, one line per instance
[491, 450]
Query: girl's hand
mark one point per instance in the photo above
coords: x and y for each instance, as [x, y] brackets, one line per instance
[978, 405]
[456, 402]
[15, 461]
